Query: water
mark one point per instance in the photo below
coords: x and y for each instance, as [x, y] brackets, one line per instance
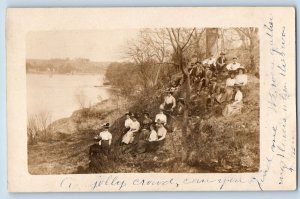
[60, 94]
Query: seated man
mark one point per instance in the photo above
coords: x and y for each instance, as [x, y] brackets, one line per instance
[241, 79]
[210, 62]
[234, 65]
[221, 62]
[213, 91]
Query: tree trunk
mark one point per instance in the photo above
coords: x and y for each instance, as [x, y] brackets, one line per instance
[251, 48]
[157, 75]
[211, 41]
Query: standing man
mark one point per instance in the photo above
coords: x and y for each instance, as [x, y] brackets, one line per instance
[221, 62]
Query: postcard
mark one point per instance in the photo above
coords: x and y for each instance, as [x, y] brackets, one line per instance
[151, 99]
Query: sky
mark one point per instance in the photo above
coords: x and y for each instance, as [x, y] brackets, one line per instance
[96, 45]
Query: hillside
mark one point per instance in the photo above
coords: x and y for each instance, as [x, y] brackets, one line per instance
[217, 144]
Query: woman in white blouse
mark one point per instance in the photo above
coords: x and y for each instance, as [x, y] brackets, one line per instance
[241, 79]
[129, 136]
[236, 106]
[153, 134]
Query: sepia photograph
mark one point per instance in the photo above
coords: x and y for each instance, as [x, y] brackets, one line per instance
[143, 99]
[163, 100]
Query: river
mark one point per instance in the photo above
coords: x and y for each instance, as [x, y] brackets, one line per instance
[61, 95]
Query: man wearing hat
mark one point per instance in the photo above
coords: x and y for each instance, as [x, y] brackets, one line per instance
[221, 62]
[234, 65]
[105, 138]
[213, 91]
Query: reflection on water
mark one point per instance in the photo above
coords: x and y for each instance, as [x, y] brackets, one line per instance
[63, 94]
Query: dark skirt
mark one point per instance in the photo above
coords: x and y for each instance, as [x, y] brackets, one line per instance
[168, 107]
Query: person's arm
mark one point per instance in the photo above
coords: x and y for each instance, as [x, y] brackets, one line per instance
[214, 62]
[174, 102]
[245, 80]
[238, 98]
[219, 63]
[163, 136]
[109, 140]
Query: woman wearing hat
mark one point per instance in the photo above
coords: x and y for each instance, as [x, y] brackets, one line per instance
[127, 122]
[241, 78]
[169, 102]
[105, 138]
[147, 120]
[134, 128]
[236, 106]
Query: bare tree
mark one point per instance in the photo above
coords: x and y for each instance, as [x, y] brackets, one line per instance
[181, 40]
[251, 36]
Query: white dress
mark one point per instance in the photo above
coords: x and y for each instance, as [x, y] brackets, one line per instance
[241, 79]
[129, 136]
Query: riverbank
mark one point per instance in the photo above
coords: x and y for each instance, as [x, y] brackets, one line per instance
[217, 144]
[68, 145]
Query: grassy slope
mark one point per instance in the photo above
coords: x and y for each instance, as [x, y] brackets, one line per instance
[217, 144]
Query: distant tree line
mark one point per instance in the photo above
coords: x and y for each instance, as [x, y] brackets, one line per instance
[64, 66]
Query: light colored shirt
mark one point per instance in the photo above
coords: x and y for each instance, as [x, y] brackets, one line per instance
[161, 117]
[241, 79]
[170, 100]
[134, 126]
[128, 122]
[162, 132]
[238, 97]
[153, 136]
[230, 82]
[209, 61]
[105, 135]
[233, 66]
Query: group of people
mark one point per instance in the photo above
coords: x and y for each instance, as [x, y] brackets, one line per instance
[206, 77]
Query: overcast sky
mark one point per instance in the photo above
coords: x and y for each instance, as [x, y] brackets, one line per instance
[95, 45]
